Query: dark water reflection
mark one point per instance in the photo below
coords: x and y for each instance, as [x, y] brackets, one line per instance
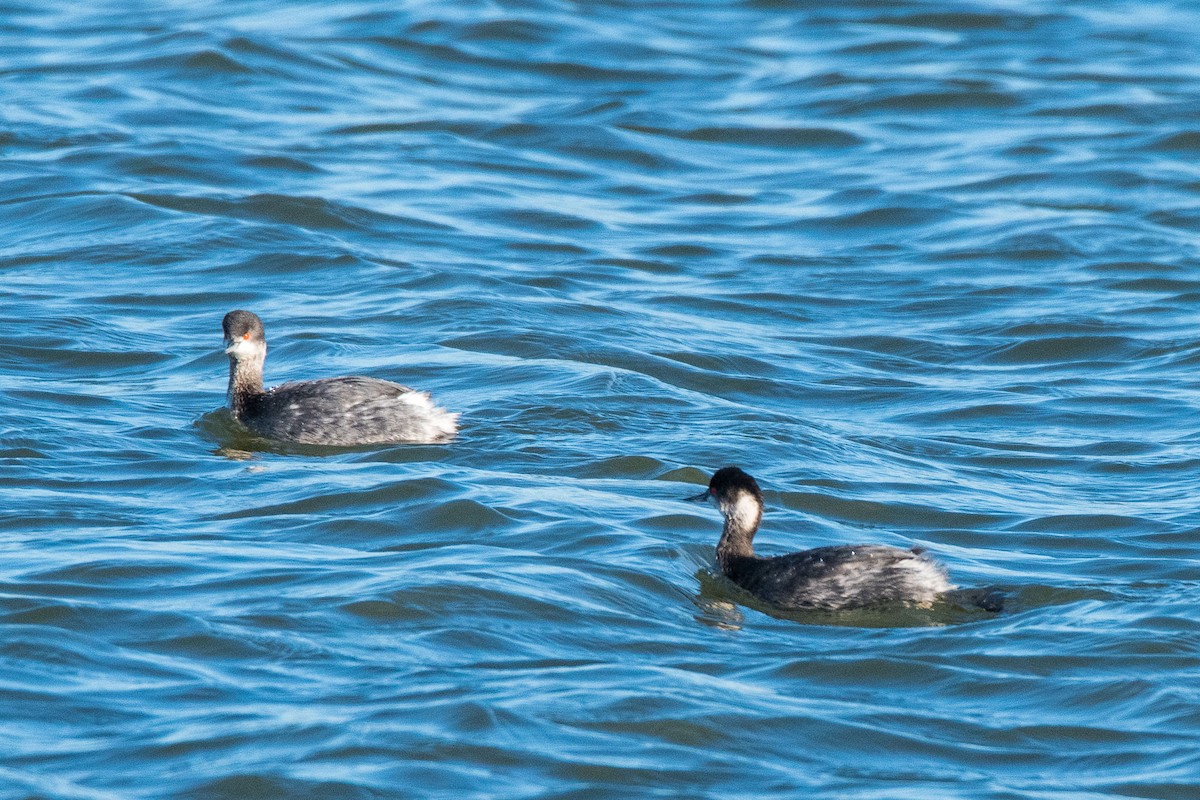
[926, 269]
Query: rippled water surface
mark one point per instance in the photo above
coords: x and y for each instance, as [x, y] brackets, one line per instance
[927, 269]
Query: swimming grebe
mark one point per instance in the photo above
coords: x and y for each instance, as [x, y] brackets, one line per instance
[341, 412]
[830, 578]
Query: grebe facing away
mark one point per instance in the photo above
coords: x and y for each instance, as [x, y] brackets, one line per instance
[341, 412]
[830, 578]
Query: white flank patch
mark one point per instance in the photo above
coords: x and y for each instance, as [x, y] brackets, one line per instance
[438, 421]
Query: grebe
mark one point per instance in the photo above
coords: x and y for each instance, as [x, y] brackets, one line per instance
[830, 578]
[341, 412]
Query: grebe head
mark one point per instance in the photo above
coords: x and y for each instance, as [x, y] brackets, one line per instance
[738, 496]
[244, 336]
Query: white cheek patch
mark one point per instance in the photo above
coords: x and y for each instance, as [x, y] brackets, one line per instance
[244, 348]
[743, 511]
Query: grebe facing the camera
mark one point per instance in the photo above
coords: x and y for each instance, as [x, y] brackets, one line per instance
[340, 412]
[828, 578]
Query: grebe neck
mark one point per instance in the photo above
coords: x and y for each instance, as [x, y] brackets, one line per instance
[742, 516]
[245, 382]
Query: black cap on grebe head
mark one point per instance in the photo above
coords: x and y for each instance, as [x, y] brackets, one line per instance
[244, 336]
[242, 326]
[727, 483]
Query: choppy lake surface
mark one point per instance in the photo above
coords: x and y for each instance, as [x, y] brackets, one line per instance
[927, 270]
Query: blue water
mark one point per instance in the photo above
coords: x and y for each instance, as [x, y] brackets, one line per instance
[928, 270]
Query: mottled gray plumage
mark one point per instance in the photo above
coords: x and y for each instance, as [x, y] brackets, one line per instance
[847, 576]
[341, 412]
